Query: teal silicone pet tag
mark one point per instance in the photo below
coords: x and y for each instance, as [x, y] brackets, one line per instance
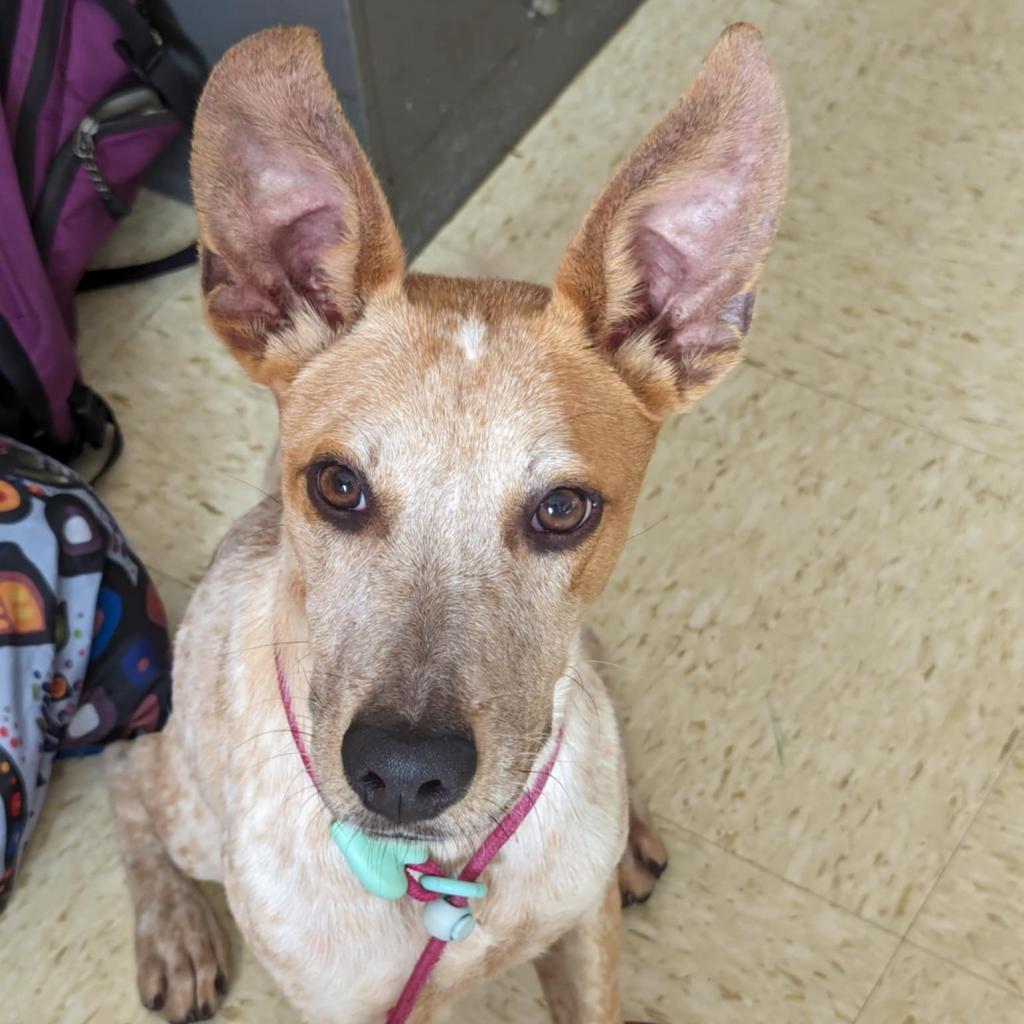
[378, 863]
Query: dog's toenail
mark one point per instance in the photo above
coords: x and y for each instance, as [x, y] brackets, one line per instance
[205, 1012]
[657, 869]
[156, 1003]
[628, 899]
[220, 983]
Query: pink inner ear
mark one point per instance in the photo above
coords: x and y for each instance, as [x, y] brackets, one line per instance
[239, 302]
[686, 247]
[300, 248]
[271, 245]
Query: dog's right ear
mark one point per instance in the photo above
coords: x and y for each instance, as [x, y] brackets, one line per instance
[295, 232]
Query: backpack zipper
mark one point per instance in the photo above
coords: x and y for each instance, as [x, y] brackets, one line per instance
[138, 103]
[84, 147]
[132, 108]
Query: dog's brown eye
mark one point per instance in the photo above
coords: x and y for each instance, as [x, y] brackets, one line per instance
[341, 487]
[562, 510]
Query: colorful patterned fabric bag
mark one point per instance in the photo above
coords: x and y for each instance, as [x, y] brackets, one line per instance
[84, 651]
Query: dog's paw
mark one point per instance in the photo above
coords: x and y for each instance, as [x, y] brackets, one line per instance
[182, 953]
[645, 858]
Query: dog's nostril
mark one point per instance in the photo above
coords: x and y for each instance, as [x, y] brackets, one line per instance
[371, 780]
[430, 790]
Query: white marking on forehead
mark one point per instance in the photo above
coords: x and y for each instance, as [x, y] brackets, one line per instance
[471, 337]
[551, 460]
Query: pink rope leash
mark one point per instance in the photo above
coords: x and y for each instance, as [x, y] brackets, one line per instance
[475, 866]
[289, 713]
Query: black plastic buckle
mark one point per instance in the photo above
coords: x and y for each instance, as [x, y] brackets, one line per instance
[90, 415]
[144, 64]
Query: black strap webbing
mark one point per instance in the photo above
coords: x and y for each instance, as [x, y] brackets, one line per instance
[147, 49]
[107, 277]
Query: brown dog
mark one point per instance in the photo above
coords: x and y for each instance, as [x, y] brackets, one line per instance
[459, 464]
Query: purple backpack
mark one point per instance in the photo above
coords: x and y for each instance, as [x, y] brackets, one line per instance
[92, 91]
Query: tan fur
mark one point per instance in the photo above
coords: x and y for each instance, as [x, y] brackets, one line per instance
[462, 403]
[579, 973]
[645, 857]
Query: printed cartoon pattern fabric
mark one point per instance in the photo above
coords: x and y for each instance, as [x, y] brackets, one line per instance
[84, 650]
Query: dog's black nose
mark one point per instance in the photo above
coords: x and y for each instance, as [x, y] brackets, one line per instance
[405, 775]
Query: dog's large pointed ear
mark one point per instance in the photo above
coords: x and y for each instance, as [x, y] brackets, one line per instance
[295, 232]
[664, 268]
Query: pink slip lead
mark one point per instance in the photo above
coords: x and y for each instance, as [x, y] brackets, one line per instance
[475, 866]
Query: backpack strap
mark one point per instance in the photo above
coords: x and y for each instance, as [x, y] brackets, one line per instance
[23, 405]
[147, 50]
[162, 17]
[107, 277]
[97, 426]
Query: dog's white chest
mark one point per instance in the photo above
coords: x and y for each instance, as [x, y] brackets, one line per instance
[342, 955]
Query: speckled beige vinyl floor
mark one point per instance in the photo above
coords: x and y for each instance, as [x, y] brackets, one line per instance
[820, 616]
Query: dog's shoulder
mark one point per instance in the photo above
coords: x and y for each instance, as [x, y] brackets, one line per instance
[254, 535]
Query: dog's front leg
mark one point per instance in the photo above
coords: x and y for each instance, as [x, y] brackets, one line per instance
[181, 950]
[580, 972]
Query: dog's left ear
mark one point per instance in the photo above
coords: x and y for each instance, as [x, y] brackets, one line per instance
[295, 232]
[665, 265]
